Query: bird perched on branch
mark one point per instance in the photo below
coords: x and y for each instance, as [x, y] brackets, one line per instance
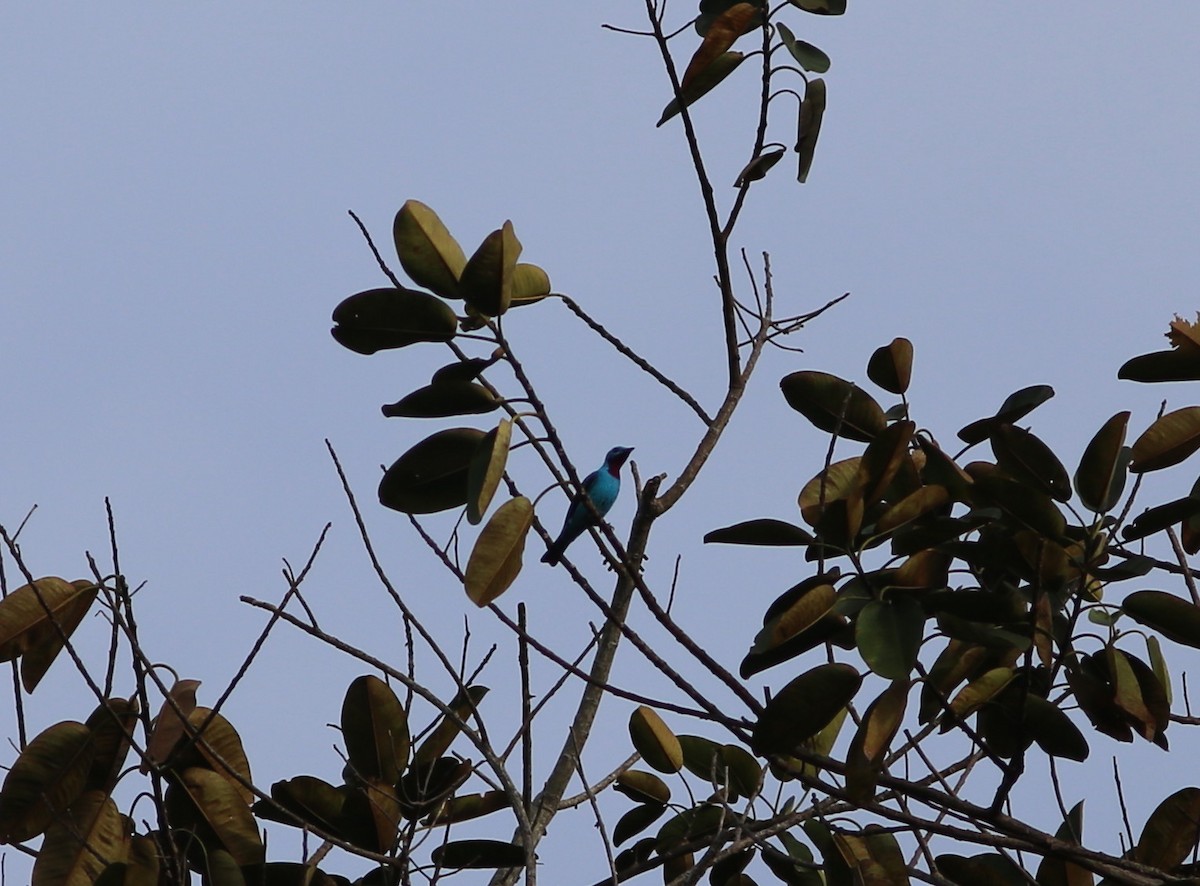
[601, 487]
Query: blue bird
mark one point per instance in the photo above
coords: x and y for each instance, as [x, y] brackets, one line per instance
[601, 486]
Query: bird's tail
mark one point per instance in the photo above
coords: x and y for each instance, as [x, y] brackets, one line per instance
[553, 553]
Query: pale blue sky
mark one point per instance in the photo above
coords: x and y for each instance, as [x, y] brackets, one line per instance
[1013, 191]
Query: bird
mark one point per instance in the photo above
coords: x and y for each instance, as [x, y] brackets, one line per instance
[601, 486]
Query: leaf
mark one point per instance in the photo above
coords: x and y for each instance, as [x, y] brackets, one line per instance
[720, 68]
[655, 741]
[378, 319]
[764, 531]
[830, 403]
[888, 634]
[45, 640]
[890, 366]
[1161, 366]
[1016, 406]
[203, 801]
[1025, 458]
[478, 854]
[1056, 871]
[495, 560]
[842, 480]
[442, 399]
[111, 725]
[315, 802]
[757, 168]
[530, 284]
[803, 708]
[469, 806]
[487, 280]
[487, 470]
[218, 748]
[427, 251]
[426, 789]
[821, 7]
[1168, 441]
[1053, 730]
[1171, 832]
[375, 730]
[1173, 617]
[432, 475]
[168, 725]
[636, 820]
[912, 507]
[643, 787]
[1100, 478]
[439, 740]
[882, 460]
[1161, 517]
[975, 694]
[465, 370]
[808, 127]
[46, 778]
[808, 56]
[988, 869]
[28, 616]
[77, 848]
[721, 34]
[880, 723]
[372, 811]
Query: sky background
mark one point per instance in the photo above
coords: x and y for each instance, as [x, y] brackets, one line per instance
[1015, 193]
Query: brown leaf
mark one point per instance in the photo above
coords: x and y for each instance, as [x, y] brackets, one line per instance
[722, 33]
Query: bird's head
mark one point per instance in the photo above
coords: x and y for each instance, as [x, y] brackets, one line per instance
[616, 457]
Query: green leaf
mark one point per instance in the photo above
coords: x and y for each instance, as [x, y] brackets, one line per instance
[757, 168]
[432, 475]
[529, 284]
[46, 778]
[720, 68]
[1173, 617]
[1171, 832]
[442, 399]
[427, 251]
[1017, 405]
[487, 280]
[803, 708]
[487, 470]
[459, 854]
[495, 559]
[888, 634]
[1053, 730]
[111, 724]
[830, 403]
[314, 801]
[808, 127]
[764, 531]
[1168, 441]
[808, 56]
[378, 319]
[1100, 478]
[655, 741]
[1161, 517]
[439, 740]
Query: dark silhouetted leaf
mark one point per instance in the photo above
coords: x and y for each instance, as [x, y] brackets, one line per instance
[427, 251]
[432, 475]
[202, 801]
[439, 740]
[442, 399]
[808, 128]
[765, 531]
[1100, 478]
[868, 748]
[759, 167]
[636, 820]
[45, 779]
[111, 724]
[1018, 404]
[1173, 617]
[975, 694]
[890, 366]
[375, 730]
[314, 801]
[989, 869]
[495, 560]
[1025, 458]
[1160, 517]
[470, 806]
[1174, 365]
[478, 854]
[81, 845]
[378, 319]
[1171, 832]
[821, 7]
[803, 707]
